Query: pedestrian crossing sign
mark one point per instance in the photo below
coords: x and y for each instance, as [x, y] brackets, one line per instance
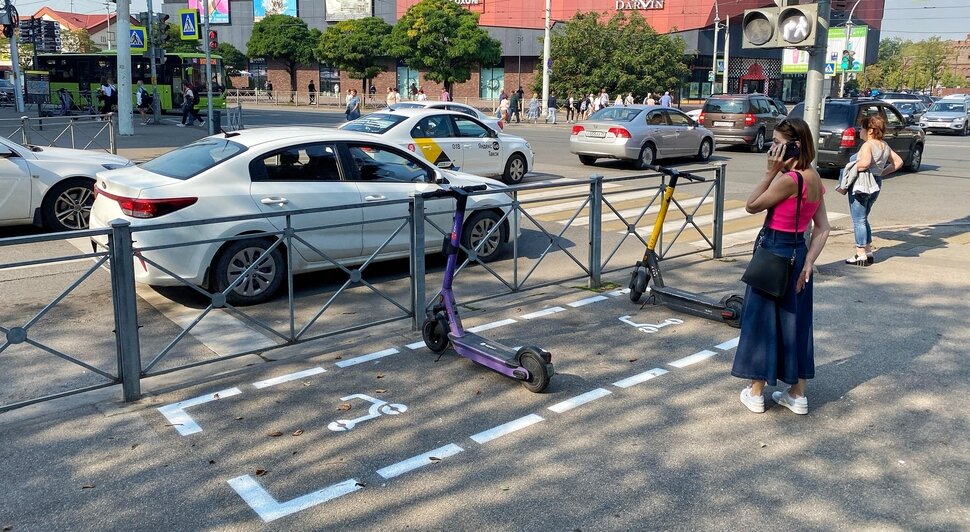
[189, 24]
[138, 43]
[829, 69]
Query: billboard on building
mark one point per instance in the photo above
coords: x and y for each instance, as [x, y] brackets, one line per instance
[348, 9]
[262, 8]
[218, 11]
[796, 61]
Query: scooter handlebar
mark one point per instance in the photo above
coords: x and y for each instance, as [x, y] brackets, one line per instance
[453, 191]
[673, 172]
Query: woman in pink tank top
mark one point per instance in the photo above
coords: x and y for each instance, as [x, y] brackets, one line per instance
[776, 333]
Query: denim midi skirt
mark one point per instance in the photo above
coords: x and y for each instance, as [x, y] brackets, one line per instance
[776, 341]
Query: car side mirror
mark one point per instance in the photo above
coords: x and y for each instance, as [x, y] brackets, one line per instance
[439, 178]
[492, 134]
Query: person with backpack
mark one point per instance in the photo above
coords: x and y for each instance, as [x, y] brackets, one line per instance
[143, 101]
[189, 111]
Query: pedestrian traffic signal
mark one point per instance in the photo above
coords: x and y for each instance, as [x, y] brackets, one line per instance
[213, 39]
[780, 27]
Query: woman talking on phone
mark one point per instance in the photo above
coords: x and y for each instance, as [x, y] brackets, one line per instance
[776, 333]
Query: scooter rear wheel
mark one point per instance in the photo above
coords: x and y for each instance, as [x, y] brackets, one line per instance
[638, 283]
[435, 335]
[536, 366]
[734, 303]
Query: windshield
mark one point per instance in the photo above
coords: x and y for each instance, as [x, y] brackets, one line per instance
[408, 105]
[718, 105]
[374, 123]
[193, 159]
[614, 114]
[948, 107]
[836, 114]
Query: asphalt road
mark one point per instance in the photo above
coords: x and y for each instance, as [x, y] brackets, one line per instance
[640, 429]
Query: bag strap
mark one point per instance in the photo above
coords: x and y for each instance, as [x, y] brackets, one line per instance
[798, 199]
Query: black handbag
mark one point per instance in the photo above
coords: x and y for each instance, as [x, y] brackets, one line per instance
[767, 272]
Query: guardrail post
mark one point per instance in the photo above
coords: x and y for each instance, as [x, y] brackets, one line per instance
[595, 229]
[418, 301]
[719, 186]
[25, 129]
[112, 145]
[120, 255]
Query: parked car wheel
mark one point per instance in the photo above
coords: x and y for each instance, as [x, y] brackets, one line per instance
[588, 160]
[647, 154]
[758, 145]
[476, 227]
[260, 284]
[705, 151]
[915, 158]
[67, 205]
[514, 169]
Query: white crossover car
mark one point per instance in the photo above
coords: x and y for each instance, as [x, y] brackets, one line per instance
[451, 140]
[49, 186]
[277, 171]
[493, 122]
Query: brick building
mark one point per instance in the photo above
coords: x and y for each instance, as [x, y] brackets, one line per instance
[960, 58]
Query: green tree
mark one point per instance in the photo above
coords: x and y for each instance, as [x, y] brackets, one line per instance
[173, 43]
[357, 47]
[284, 38]
[232, 59]
[624, 54]
[444, 40]
[78, 41]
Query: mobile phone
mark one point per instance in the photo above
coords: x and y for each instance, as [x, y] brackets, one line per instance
[792, 151]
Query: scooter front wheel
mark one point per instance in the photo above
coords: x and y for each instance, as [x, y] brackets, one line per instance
[534, 363]
[638, 283]
[435, 335]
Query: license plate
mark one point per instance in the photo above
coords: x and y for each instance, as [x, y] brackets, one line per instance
[723, 124]
[596, 134]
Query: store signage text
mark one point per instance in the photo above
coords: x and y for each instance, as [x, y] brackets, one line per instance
[468, 2]
[639, 4]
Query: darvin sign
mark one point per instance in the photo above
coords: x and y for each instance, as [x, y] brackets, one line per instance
[622, 5]
[468, 2]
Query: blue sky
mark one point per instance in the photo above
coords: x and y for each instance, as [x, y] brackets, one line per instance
[908, 19]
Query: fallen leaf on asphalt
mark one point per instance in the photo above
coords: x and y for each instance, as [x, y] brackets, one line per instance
[215, 396]
[134, 445]
[633, 360]
[380, 375]
[361, 484]
[338, 357]
[87, 486]
[260, 472]
[762, 444]
[306, 383]
[7, 528]
[434, 458]
[478, 392]
[211, 462]
[344, 406]
[275, 434]
[506, 488]
[298, 432]
[380, 390]
[238, 418]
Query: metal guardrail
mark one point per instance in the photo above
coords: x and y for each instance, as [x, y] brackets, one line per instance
[329, 99]
[135, 361]
[78, 132]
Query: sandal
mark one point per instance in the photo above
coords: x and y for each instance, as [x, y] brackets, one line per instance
[859, 260]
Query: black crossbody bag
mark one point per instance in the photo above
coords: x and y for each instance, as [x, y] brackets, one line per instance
[767, 272]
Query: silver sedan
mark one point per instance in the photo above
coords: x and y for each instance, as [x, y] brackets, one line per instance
[640, 133]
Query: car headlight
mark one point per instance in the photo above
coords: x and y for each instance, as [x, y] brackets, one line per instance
[957, 120]
[115, 166]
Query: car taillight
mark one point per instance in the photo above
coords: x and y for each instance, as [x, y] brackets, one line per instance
[148, 208]
[700, 118]
[620, 132]
[848, 138]
[577, 129]
[749, 119]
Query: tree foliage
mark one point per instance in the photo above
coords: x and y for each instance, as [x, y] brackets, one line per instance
[912, 65]
[444, 40]
[232, 59]
[78, 41]
[284, 38]
[623, 54]
[173, 43]
[356, 46]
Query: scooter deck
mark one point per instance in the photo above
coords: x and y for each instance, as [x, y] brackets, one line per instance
[687, 302]
[484, 347]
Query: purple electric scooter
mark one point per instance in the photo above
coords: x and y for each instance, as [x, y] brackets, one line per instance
[530, 365]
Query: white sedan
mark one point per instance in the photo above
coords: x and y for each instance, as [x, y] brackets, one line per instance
[452, 140]
[275, 172]
[49, 186]
[491, 121]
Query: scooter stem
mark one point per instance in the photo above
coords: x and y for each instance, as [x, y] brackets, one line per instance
[658, 225]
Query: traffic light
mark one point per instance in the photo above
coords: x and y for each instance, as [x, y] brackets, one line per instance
[213, 39]
[161, 27]
[780, 27]
[143, 19]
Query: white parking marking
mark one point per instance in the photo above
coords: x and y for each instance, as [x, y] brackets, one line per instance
[579, 400]
[506, 428]
[639, 377]
[416, 345]
[541, 313]
[587, 301]
[367, 358]
[618, 293]
[692, 359]
[493, 325]
[269, 509]
[180, 419]
[420, 460]
[730, 344]
[287, 378]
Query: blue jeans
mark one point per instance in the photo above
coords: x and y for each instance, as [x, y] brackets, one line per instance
[859, 207]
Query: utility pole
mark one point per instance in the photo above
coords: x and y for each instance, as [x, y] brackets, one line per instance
[727, 53]
[107, 22]
[156, 103]
[520, 62]
[816, 70]
[848, 33]
[11, 20]
[713, 77]
[208, 68]
[123, 31]
[546, 60]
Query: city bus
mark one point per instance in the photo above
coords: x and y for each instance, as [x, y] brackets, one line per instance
[81, 75]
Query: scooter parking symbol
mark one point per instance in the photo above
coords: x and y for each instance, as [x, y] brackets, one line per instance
[377, 409]
[651, 328]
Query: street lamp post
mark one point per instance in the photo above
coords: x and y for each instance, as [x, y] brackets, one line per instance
[717, 22]
[519, 38]
[848, 33]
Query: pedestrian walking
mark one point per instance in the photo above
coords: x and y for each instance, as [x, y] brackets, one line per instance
[628, 101]
[876, 157]
[776, 340]
[189, 112]
[515, 107]
[421, 95]
[353, 105]
[312, 91]
[535, 108]
[604, 98]
[571, 109]
[269, 89]
[650, 100]
[665, 99]
[143, 101]
[503, 109]
[445, 95]
[390, 99]
[552, 106]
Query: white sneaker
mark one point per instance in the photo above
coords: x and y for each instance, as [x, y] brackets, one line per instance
[755, 404]
[202, 123]
[798, 406]
[180, 125]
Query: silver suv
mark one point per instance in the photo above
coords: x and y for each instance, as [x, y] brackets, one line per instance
[949, 115]
[747, 119]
